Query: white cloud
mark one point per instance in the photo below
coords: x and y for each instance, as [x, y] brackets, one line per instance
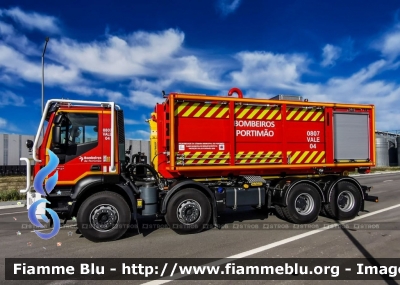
[140, 98]
[6, 126]
[18, 41]
[140, 53]
[330, 54]
[3, 123]
[389, 44]
[32, 20]
[227, 7]
[9, 98]
[138, 135]
[132, 122]
[268, 70]
[19, 65]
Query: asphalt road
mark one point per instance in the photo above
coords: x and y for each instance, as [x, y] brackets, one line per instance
[376, 235]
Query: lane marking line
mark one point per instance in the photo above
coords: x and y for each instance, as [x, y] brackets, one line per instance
[272, 245]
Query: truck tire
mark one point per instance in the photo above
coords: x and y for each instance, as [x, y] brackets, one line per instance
[345, 201]
[104, 216]
[188, 211]
[304, 204]
[279, 212]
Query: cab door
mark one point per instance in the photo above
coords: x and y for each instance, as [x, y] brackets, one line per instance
[80, 151]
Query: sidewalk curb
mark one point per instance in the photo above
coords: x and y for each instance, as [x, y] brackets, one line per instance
[375, 173]
[12, 204]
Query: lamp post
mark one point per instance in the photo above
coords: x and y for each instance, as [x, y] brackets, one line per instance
[44, 50]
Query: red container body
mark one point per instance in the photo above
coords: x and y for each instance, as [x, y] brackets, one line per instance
[209, 136]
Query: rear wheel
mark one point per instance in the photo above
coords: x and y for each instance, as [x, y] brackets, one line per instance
[304, 204]
[104, 216]
[344, 201]
[188, 211]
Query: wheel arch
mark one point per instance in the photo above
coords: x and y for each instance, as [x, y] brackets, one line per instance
[346, 179]
[307, 181]
[94, 188]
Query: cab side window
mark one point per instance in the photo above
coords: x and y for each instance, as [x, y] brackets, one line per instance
[78, 135]
[83, 128]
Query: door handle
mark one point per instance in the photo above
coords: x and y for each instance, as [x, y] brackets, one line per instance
[95, 167]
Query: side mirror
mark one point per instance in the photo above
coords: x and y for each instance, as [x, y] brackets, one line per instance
[29, 145]
[56, 135]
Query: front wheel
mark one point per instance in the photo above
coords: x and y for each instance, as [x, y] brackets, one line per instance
[304, 204]
[188, 211]
[104, 216]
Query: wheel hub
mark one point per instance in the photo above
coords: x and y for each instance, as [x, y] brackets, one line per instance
[304, 204]
[188, 212]
[301, 203]
[104, 218]
[346, 201]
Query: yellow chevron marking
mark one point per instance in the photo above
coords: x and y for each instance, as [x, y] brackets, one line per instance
[322, 118]
[317, 117]
[276, 157]
[224, 110]
[226, 157]
[300, 115]
[239, 154]
[195, 155]
[255, 111]
[272, 114]
[293, 158]
[310, 113]
[202, 110]
[205, 157]
[190, 110]
[319, 157]
[216, 156]
[291, 114]
[213, 110]
[311, 156]
[263, 113]
[258, 155]
[244, 112]
[247, 156]
[267, 155]
[180, 108]
[302, 157]
[279, 117]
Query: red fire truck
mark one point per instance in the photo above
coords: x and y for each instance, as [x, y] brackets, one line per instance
[208, 154]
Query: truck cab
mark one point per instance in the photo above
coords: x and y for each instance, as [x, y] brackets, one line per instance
[87, 141]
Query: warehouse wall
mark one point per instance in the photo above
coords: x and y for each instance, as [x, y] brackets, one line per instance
[12, 147]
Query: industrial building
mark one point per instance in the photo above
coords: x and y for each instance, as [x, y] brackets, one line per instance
[12, 147]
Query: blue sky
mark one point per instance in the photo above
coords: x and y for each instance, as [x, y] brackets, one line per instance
[129, 51]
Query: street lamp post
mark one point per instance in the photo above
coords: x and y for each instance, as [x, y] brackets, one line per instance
[44, 50]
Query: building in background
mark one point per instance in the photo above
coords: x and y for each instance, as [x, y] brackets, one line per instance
[12, 147]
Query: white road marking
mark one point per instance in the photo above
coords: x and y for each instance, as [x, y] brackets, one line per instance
[387, 181]
[13, 213]
[274, 244]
